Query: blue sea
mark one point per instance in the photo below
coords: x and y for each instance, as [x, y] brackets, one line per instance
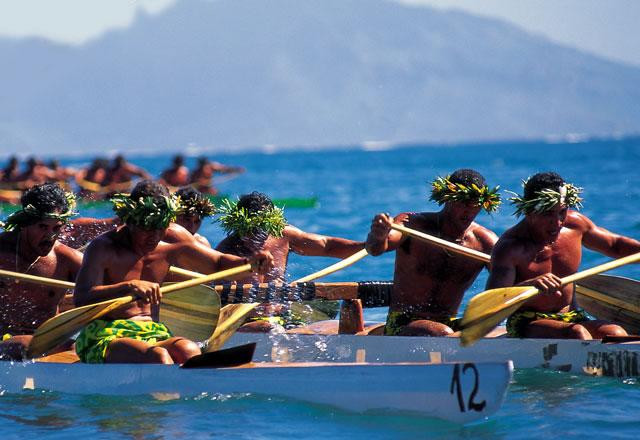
[352, 185]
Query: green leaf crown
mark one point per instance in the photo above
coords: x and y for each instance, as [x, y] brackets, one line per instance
[200, 206]
[546, 199]
[30, 214]
[236, 220]
[443, 190]
[146, 212]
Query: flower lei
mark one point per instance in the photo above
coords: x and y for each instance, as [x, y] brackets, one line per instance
[200, 206]
[145, 212]
[443, 190]
[235, 220]
[546, 199]
[30, 213]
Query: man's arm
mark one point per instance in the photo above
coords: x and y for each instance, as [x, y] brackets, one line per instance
[306, 243]
[72, 260]
[90, 286]
[604, 241]
[137, 171]
[503, 267]
[487, 239]
[381, 237]
[199, 258]
[217, 167]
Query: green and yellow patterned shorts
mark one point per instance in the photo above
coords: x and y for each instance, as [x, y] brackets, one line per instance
[517, 322]
[397, 320]
[94, 339]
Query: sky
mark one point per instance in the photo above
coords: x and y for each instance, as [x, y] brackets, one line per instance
[604, 27]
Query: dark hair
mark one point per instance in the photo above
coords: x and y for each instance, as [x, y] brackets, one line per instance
[54, 163]
[541, 181]
[467, 176]
[255, 202]
[202, 160]
[188, 193]
[118, 161]
[32, 162]
[149, 188]
[46, 198]
[178, 160]
[99, 162]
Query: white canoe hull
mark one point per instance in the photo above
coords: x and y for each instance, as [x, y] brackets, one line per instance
[580, 357]
[456, 392]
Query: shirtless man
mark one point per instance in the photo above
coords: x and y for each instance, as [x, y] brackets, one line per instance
[134, 260]
[202, 176]
[268, 230]
[61, 174]
[193, 208]
[177, 175]
[35, 174]
[429, 282]
[9, 174]
[254, 223]
[122, 172]
[29, 245]
[545, 246]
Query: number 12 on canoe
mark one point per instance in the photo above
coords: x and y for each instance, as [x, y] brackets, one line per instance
[456, 388]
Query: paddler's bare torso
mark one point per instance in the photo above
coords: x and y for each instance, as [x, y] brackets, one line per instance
[24, 306]
[430, 282]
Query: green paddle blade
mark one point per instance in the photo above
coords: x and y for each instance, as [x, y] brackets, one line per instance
[58, 329]
[192, 312]
[232, 316]
[487, 309]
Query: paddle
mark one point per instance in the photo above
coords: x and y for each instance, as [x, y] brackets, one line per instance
[472, 253]
[232, 316]
[192, 312]
[487, 309]
[37, 280]
[334, 267]
[56, 330]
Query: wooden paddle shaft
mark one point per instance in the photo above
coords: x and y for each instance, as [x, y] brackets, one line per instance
[633, 258]
[472, 253]
[335, 267]
[326, 271]
[201, 279]
[206, 279]
[37, 280]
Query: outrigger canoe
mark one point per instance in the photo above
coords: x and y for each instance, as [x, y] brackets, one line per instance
[594, 358]
[457, 392]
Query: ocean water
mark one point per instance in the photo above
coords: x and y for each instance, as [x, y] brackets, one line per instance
[353, 185]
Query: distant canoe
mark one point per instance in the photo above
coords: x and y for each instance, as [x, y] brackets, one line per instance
[287, 202]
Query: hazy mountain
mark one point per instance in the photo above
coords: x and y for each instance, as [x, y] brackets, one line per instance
[243, 73]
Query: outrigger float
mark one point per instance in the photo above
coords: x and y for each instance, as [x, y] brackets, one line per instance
[456, 392]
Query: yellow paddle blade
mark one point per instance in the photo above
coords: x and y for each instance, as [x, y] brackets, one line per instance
[58, 329]
[488, 300]
[487, 309]
[191, 313]
[481, 327]
[232, 316]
